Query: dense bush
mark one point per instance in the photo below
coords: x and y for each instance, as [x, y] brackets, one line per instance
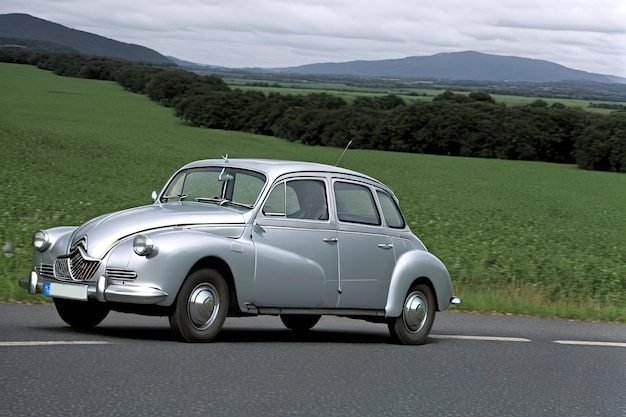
[135, 78]
[602, 145]
[171, 86]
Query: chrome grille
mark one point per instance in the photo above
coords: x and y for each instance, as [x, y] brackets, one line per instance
[116, 273]
[76, 265]
[46, 270]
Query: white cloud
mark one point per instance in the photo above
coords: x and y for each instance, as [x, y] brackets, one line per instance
[588, 35]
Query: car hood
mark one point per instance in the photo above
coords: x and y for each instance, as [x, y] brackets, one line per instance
[102, 232]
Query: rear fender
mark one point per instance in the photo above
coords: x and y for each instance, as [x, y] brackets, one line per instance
[410, 267]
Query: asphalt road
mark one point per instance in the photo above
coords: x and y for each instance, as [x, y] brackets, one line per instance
[472, 365]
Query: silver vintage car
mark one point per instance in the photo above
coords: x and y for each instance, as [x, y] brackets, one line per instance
[244, 237]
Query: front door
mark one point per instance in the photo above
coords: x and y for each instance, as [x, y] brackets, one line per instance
[296, 247]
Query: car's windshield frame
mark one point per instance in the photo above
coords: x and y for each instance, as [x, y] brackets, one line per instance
[217, 185]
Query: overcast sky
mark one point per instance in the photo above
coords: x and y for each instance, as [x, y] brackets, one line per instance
[588, 35]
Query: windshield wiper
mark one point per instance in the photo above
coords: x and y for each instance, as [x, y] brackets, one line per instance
[221, 201]
[216, 200]
[180, 197]
[234, 203]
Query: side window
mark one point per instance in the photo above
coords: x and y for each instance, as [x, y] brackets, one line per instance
[298, 199]
[391, 211]
[355, 204]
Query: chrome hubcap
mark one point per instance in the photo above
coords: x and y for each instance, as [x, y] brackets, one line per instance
[415, 313]
[203, 305]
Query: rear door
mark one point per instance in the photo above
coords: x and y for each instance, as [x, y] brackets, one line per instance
[366, 253]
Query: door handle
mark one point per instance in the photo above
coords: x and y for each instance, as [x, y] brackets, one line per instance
[330, 240]
[385, 245]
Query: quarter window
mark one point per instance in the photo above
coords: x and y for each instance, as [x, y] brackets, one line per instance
[391, 211]
[355, 204]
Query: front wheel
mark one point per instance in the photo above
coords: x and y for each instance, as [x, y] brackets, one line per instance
[299, 322]
[201, 306]
[81, 314]
[416, 320]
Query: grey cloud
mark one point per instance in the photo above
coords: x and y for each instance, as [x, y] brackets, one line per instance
[582, 34]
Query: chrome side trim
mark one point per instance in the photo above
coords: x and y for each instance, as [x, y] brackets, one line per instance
[321, 311]
[117, 273]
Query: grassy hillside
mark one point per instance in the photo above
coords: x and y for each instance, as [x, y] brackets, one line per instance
[518, 237]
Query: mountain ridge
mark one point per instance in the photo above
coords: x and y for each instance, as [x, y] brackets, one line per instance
[26, 30]
[465, 65]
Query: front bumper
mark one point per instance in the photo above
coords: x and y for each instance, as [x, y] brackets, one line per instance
[100, 289]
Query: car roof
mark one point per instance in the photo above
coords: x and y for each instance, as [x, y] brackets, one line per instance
[274, 168]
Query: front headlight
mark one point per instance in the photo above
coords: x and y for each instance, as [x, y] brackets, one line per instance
[143, 245]
[41, 240]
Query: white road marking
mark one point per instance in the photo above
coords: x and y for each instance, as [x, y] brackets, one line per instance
[589, 343]
[488, 338]
[54, 343]
[434, 336]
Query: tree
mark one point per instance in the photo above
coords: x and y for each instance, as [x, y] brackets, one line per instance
[169, 87]
[135, 77]
[602, 145]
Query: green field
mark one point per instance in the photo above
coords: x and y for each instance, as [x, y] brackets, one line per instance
[518, 237]
[420, 93]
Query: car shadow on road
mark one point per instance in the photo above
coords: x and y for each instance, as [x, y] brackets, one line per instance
[230, 335]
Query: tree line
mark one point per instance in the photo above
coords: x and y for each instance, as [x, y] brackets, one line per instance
[471, 125]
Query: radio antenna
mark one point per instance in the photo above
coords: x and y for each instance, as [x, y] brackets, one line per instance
[342, 153]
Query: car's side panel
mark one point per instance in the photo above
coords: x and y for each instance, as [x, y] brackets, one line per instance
[413, 265]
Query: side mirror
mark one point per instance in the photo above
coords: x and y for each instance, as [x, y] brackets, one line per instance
[154, 196]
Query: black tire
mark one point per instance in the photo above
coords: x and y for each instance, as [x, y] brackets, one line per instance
[299, 322]
[416, 320]
[81, 314]
[201, 306]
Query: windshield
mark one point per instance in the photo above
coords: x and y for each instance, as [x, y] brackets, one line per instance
[216, 185]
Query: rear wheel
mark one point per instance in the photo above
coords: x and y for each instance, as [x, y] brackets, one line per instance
[416, 320]
[299, 322]
[81, 314]
[201, 306]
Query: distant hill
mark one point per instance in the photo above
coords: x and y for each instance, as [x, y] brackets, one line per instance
[35, 33]
[32, 32]
[470, 66]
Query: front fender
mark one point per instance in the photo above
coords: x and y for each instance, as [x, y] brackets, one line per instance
[176, 252]
[411, 266]
[59, 244]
